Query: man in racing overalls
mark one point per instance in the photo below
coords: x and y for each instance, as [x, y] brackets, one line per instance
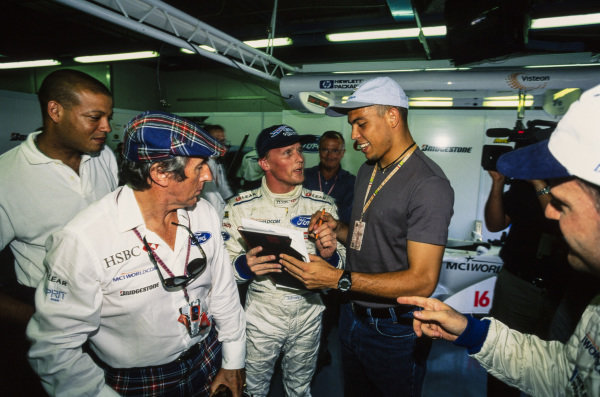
[280, 318]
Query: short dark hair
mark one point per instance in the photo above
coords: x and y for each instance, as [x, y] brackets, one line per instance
[136, 174]
[63, 85]
[331, 134]
[381, 109]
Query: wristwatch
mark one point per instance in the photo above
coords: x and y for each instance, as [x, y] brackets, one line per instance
[345, 281]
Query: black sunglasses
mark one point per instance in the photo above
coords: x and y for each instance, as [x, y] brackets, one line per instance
[194, 268]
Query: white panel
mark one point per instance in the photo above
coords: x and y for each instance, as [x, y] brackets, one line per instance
[463, 131]
[20, 114]
[313, 124]
[120, 119]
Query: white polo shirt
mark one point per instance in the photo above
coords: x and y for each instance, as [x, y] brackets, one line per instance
[102, 286]
[39, 195]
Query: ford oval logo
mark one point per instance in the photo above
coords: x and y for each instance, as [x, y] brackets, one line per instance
[300, 220]
[225, 236]
[202, 237]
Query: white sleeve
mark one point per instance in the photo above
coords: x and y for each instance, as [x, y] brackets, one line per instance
[537, 367]
[225, 307]
[233, 239]
[68, 303]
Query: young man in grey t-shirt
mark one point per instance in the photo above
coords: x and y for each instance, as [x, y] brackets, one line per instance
[396, 238]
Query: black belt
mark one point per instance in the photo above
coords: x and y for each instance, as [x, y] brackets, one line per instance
[186, 355]
[381, 312]
[189, 353]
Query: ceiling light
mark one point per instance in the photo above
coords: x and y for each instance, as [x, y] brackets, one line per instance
[563, 92]
[376, 71]
[117, 57]
[29, 64]
[561, 22]
[203, 47]
[510, 101]
[386, 34]
[276, 42]
[568, 65]
[430, 102]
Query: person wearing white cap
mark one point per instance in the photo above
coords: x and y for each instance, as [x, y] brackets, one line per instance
[395, 243]
[570, 159]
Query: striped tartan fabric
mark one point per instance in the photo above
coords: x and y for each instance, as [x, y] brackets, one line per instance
[155, 136]
[183, 377]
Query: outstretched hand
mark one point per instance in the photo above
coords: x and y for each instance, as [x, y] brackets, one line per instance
[437, 319]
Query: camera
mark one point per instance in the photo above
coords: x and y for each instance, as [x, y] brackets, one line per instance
[535, 131]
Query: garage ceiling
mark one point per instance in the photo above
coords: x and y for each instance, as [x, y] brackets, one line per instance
[33, 29]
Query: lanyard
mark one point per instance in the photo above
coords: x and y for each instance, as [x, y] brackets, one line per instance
[162, 264]
[332, 186]
[366, 203]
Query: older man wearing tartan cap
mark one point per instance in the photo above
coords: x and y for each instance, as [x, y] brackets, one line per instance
[143, 276]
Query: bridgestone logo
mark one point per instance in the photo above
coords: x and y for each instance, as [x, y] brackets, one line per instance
[139, 290]
[446, 149]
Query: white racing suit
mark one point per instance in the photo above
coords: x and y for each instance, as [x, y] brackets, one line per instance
[542, 368]
[278, 318]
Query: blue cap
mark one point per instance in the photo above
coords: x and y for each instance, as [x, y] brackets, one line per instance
[277, 136]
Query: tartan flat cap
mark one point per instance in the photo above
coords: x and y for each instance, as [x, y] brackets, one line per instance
[155, 136]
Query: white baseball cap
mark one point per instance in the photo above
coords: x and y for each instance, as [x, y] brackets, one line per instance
[377, 91]
[572, 150]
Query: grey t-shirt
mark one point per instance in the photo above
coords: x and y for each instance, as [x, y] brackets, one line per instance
[415, 204]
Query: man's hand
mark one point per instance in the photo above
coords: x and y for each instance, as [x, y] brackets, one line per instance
[497, 177]
[261, 265]
[316, 274]
[232, 378]
[436, 320]
[325, 219]
[325, 240]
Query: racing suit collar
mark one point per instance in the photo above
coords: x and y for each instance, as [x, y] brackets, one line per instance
[281, 199]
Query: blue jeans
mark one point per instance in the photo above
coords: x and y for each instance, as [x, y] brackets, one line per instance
[381, 357]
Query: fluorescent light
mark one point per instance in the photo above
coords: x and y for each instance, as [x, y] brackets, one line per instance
[276, 42]
[568, 65]
[29, 64]
[430, 102]
[117, 57]
[565, 21]
[377, 71]
[507, 98]
[509, 101]
[505, 104]
[386, 34]
[563, 92]
[204, 47]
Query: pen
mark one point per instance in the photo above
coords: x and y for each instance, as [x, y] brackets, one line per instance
[320, 222]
